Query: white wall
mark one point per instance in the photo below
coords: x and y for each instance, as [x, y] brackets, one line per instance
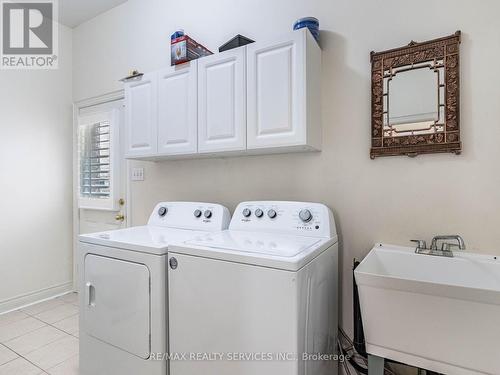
[36, 183]
[388, 199]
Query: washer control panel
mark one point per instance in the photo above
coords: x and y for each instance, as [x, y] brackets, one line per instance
[190, 215]
[302, 218]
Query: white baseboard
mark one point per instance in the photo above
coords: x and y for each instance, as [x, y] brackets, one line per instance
[37, 296]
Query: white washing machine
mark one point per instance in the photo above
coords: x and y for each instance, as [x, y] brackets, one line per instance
[260, 298]
[123, 289]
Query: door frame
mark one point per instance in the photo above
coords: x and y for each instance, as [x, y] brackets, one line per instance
[85, 103]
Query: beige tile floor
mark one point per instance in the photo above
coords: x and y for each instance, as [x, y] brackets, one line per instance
[41, 339]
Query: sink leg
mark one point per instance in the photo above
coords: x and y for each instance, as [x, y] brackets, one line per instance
[375, 365]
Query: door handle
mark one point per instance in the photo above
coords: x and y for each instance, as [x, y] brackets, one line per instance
[120, 217]
[90, 294]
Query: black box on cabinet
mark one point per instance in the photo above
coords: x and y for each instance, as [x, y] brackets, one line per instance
[237, 41]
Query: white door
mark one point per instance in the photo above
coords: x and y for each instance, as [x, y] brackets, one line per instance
[177, 110]
[223, 307]
[99, 217]
[222, 102]
[141, 119]
[276, 89]
[117, 303]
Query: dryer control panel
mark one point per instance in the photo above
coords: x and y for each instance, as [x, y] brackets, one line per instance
[301, 218]
[190, 215]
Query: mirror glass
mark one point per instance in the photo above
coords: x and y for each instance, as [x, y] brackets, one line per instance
[414, 99]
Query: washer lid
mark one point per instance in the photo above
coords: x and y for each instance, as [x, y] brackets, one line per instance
[286, 252]
[145, 239]
[258, 243]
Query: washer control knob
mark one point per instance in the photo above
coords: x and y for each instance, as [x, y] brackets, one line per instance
[197, 213]
[259, 212]
[207, 214]
[271, 213]
[162, 211]
[247, 212]
[305, 215]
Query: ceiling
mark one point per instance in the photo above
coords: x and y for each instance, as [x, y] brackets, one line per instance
[74, 12]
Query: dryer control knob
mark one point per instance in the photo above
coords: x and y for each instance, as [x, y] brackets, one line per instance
[162, 211]
[247, 212]
[259, 212]
[207, 214]
[197, 213]
[271, 213]
[305, 215]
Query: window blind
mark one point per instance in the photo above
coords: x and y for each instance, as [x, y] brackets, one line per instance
[95, 160]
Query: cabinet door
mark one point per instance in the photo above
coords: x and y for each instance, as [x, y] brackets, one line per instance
[222, 102]
[141, 116]
[177, 110]
[117, 299]
[276, 92]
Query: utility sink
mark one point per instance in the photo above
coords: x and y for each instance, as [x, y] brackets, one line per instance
[436, 313]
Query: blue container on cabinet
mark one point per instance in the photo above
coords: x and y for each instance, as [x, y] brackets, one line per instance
[311, 23]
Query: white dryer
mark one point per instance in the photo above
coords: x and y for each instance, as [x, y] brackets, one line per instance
[123, 289]
[260, 298]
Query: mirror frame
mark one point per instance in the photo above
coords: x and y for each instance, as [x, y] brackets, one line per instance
[446, 49]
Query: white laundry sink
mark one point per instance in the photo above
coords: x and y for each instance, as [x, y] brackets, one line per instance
[437, 313]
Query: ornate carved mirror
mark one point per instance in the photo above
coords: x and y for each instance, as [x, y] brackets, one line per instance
[416, 98]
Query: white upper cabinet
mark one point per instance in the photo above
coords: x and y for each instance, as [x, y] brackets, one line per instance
[222, 102]
[284, 93]
[141, 116]
[177, 122]
[264, 97]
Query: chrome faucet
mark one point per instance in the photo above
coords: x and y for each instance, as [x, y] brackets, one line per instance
[446, 246]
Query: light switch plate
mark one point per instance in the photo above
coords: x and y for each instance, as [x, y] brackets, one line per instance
[137, 174]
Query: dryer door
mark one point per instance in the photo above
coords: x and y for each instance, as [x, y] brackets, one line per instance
[117, 303]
